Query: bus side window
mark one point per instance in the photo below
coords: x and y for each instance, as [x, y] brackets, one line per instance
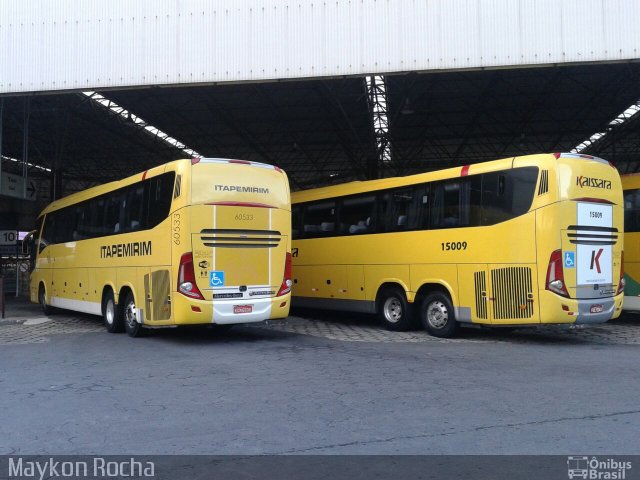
[112, 215]
[134, 211]
[357, 215]
[632, 210]
[296, 219]
[320, 219]
[403, 209]
[81, 224]
[507, 194]
[445, 208]
[64, 222]
[456, 203]
[160, 196]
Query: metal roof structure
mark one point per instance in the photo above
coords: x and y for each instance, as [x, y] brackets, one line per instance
[321, 131]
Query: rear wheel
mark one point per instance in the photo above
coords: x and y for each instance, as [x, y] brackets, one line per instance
[438, 316]
[42, 300]
[111, 314]
[393, 309]
[130, 313]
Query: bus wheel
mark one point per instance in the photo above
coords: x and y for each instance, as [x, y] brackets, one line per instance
[394, 309]
[111, 314]
[42, 299]
[134, 329]
[437, 315]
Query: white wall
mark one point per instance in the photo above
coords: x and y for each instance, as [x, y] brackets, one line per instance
[87, 44]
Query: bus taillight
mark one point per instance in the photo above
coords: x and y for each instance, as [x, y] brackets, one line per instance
[555, 274]
[187, 278]
[622, 281]
[287, 282]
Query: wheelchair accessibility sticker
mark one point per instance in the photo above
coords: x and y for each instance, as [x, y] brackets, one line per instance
[216, 278]
[569, 259]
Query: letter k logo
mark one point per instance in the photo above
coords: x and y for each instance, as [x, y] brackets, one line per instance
[595, 259]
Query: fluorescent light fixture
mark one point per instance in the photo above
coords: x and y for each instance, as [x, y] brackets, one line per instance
[619, 120]
[136, 120]
[33, 165]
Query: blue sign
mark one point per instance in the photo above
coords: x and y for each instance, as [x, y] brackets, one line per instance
[216, 278]
[569, 259]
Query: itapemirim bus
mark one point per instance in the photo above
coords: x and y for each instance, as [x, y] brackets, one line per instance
[631, 187]
[202, 241]
[521, 241]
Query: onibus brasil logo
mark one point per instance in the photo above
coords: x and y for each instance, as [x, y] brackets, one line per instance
[595, 468]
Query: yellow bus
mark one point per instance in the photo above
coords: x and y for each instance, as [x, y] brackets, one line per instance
[202, 241]
[631, 187]
[521, 241]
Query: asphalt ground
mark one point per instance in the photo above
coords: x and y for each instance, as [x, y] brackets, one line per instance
[316, 383]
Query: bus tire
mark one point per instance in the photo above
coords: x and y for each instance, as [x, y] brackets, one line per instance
[438, 316]
[393, 309]
[111, 314]
[42, 300]
[129, 313]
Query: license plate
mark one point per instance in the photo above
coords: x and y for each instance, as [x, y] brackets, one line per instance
[242, 308]
[596, 308]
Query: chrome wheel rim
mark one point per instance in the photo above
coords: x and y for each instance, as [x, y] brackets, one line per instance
[437, 314]
[109, 312]
[130, 314]
[392, 310]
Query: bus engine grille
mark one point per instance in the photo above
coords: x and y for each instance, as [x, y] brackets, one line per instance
[232, 238]
[512, 293]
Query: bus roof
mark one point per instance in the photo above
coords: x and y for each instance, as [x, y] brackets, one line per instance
[107, 187]
[630, 180]
[380, 184]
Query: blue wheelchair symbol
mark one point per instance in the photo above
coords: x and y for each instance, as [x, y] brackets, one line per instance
[569, 259]
[216, 278]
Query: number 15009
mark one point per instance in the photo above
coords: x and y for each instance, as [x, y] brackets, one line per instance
[454, 246]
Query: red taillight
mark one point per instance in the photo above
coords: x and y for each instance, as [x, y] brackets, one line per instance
[622, 281]
[241, 162]
[555, 274]
[287, 282]
[187, 278]
[195, 160]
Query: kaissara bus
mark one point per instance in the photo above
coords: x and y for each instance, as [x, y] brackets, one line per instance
[521, 241]
[631, 187]
[202, 241]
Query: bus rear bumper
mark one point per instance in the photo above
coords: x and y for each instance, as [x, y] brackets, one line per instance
[228, 312]
[595, 311]
[560, 310]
